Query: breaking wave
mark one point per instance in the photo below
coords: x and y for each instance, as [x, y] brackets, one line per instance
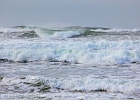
[89, 52]
[67, 32]
[34, 84]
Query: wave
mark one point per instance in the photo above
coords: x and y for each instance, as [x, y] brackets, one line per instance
[37, 84]
[89, 52]
[66, 32]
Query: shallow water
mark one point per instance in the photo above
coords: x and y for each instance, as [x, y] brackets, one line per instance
[69, 81]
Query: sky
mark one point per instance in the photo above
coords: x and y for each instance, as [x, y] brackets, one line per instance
[93, 13]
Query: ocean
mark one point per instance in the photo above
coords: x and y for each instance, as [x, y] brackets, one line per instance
[69, 63]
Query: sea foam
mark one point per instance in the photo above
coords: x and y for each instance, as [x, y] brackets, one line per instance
[65, 34]
[84, 84]
[90, 52]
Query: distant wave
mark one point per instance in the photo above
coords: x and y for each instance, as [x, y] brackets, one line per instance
[66, 32]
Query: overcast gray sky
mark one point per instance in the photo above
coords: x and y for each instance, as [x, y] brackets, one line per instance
[96, 13]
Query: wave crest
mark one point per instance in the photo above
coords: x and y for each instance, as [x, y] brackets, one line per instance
[66, 32]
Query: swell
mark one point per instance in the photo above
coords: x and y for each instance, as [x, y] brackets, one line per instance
[66, 32]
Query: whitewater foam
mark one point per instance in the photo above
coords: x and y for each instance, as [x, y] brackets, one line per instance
[85, 84]
[66, 34]
[90, 52]
[117, 30]
[13, 30]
